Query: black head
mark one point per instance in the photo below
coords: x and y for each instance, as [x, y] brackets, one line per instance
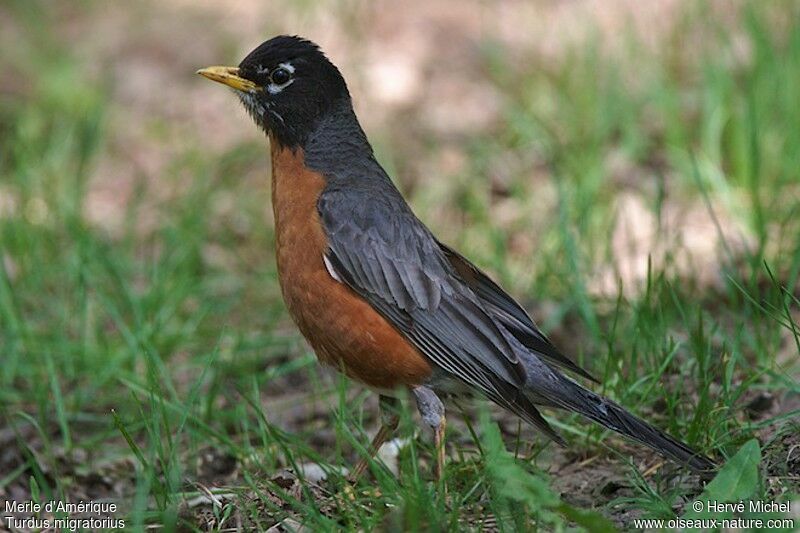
[287, 85]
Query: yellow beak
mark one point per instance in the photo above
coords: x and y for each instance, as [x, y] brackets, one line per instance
[230, 77]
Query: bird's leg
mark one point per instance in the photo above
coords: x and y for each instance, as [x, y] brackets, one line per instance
[438, 440]
[432, 411]
[390, 418]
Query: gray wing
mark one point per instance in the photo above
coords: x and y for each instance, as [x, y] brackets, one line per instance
[509, 313]
[387, 256]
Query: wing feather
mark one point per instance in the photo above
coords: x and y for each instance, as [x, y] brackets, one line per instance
[509, 313]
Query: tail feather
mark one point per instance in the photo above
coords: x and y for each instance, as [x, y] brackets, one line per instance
[569, 395]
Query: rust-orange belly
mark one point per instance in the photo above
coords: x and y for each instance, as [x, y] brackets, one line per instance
[343, 329]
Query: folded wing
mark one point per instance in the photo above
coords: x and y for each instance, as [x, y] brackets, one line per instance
[385, 254]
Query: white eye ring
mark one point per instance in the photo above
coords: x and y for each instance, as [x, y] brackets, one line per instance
[275, 88]
[280, 76]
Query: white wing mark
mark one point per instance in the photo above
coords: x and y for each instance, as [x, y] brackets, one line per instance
[329, 268]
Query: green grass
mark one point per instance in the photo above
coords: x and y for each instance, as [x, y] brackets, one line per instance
[129, 354]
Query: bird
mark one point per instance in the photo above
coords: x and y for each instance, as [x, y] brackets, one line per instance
[371, 288]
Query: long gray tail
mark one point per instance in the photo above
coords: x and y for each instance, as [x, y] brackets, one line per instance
[569, 395]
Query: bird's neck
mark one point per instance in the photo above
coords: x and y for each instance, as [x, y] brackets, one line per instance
[338, 146]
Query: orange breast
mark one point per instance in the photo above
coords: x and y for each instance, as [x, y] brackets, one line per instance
[343, 329]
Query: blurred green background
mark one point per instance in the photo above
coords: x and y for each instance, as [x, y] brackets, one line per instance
[629, 170]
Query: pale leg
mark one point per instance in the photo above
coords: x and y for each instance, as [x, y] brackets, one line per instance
[389, 421]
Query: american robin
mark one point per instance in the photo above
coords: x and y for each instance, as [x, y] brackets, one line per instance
[372, 289]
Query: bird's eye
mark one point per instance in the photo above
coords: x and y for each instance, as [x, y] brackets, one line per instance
[280, 76]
